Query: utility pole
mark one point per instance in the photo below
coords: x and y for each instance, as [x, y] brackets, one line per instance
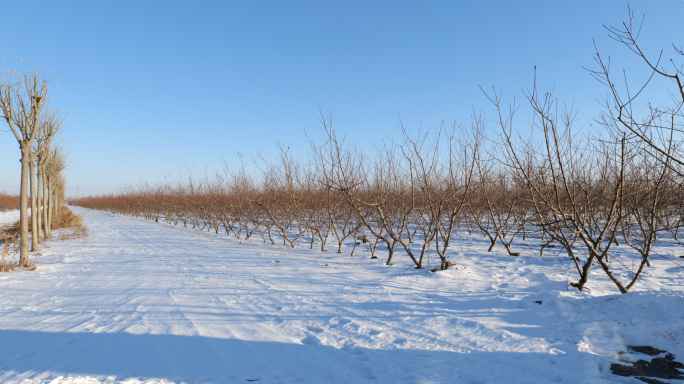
[77, 196]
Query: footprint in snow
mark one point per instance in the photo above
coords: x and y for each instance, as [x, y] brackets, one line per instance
[311, 340]
[339, 322]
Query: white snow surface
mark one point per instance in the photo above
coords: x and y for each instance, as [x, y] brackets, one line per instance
[9, 217]
[139, 301]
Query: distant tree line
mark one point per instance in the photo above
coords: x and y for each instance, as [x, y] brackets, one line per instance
[8, 202]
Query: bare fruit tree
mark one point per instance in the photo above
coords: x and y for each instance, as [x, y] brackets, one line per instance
[660, 127]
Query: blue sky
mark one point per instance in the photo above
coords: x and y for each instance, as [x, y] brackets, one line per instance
[157, 86]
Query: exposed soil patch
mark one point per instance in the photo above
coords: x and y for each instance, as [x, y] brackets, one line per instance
[661, 367]
[646, 350]
[651, 381]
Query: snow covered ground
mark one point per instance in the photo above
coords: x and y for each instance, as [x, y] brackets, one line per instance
[140, 301]
[9, 217]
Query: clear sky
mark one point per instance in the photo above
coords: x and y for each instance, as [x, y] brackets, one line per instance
[157, 86]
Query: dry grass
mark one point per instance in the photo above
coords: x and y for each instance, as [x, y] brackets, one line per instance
[9, 237]
[66, 219]
[9, 266]
[78, 232]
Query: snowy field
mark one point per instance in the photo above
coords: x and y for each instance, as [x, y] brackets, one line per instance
[140, 301]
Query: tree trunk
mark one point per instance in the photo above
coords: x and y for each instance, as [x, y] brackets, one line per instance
[39, 208]
[51, 202]
[391, 252]
[493, 243]
[23, 210]
[34, 222]
[508, 248]
[46, 227]
[58, 203]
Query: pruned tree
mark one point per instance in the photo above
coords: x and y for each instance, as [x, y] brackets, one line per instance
[50, 125]
[661, 125]
[22, 97]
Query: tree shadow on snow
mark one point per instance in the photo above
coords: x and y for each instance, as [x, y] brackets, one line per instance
[118, 356]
